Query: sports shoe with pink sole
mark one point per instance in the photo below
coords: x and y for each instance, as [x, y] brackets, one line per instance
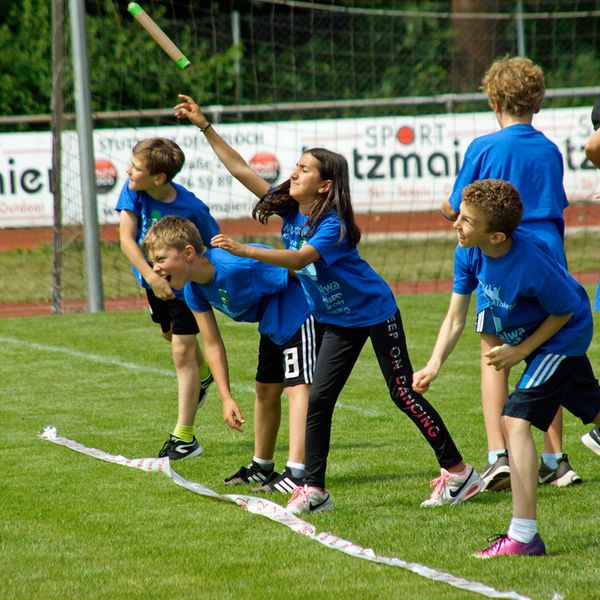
[451, 488]
[309, 499]
[504, 545]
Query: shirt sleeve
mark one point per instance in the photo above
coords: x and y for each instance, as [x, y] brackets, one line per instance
[127, 200]
[326, 239]
[465, 281]
[194, 297]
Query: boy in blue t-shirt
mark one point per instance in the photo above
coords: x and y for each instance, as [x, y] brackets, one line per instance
[525, 157]
[247, 290]
[148, 196]
[542, 316]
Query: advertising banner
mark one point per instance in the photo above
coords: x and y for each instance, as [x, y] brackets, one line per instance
[397, 164]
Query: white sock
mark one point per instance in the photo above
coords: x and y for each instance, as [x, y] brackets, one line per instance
[522, 530]
[494, 454]
[296, 469]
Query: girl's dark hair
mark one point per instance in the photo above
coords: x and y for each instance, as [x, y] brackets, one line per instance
[333, 167]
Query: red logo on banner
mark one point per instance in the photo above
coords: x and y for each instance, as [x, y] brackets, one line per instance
[266, 165]
[406, 135]
[106, 175]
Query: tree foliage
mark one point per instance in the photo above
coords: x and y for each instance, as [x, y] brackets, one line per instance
[285, 54]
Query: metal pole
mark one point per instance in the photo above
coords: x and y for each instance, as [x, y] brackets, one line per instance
[86, 157]
[236, 37]
[520, 23]
[58, 62]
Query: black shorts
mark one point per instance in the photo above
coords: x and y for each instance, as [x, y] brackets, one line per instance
[172, 315]
[551, 380]
[292, 363]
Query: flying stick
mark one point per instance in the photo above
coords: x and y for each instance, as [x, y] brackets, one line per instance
[160, 37]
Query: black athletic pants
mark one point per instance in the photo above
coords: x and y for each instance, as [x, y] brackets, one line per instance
[337, 356]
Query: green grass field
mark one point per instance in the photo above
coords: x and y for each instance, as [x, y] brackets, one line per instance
[75, 527]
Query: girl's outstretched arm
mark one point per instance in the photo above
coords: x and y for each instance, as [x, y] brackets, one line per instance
[290, 259]
[234, 163]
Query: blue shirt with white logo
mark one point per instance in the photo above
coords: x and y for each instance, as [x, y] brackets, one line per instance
[251, 291]
[149, 211]
[523, 288]
[341, 288]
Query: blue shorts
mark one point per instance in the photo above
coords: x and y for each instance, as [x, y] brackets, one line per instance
[552, 380]
[484, 322]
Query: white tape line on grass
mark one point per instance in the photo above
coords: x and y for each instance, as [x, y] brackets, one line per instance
[275, 512]
[97, 358]
[107, 360]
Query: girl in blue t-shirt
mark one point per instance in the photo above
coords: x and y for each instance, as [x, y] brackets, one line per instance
[348, 297]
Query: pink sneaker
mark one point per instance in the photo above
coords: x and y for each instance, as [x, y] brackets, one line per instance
[309, 499]
[503, 544]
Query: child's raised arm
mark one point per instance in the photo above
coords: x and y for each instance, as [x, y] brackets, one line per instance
[449, 334]
[232, 160]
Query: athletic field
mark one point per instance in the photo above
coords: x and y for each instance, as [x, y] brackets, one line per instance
[76, 527]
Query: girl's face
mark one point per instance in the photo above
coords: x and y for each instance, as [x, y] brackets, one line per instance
[305, 181]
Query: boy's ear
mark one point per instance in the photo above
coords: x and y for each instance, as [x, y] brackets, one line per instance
[498, 238]
[160, 179]
[189, 253]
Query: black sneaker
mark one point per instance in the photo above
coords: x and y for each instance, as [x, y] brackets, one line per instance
[592, 440]
[284, 483]
[497, 476]
[562, 476]
[253, 473]
[177, 449]
[204, 385]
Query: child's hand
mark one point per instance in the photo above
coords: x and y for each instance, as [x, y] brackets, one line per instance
[188, 109]
[422, 379]
[226, 243]
[503, 357]
[233, 415]
[161, 288]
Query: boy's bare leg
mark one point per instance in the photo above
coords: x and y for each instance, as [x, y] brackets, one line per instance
[185, 353]
[523, 467]
[298, 405]
[494, 392]
[553, 437]
[267, 417]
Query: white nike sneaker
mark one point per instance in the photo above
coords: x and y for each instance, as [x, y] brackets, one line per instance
[450, 488]
[308, 499]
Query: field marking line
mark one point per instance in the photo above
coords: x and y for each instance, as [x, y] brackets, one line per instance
[106, 360]
[275, 512]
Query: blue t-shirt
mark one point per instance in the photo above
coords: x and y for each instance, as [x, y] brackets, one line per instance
[251, 291]
[526, 158]
[148, 211]
[341, 288]
[523, 288]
